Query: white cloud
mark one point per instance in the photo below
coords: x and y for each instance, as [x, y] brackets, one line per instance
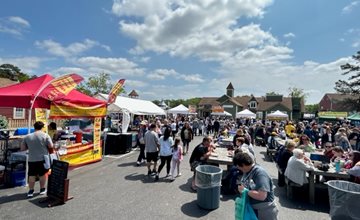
[161, 74]
[20, 21]
[289, 35]
[14, 25]
[67, 70]
[74, 49]
[26, 64]
[206, 29]
[349, 8]
[135, 83]
[119, 67]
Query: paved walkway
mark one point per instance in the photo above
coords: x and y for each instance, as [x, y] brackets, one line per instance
[116, 188]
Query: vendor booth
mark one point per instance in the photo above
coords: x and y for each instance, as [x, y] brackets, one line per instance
[246, 113]
[180, 109]
[277, 115]
[58, 95]
[355, 119]
[223, 114]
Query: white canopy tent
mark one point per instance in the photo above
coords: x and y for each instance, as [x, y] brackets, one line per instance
[246, 113]
[277, 115]
[180, 109]
[133, 106]
[225, 113]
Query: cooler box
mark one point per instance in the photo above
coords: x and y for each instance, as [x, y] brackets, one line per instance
[23, 131]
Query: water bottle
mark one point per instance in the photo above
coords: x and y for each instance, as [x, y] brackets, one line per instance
[337, 166]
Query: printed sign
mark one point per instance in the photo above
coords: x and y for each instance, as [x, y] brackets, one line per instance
[41, 115]
[115, 91]
[97, 133]
[333, 114]
[217, 109]
[61, 111]
[61, 86]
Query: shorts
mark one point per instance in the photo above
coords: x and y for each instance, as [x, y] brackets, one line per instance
[37, 168]
[152, 156]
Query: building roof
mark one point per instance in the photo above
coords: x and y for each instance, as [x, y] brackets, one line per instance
[133, 93]
[339, 96]
[230, 86]
[209, 101]
[6, 82]
[262, 104]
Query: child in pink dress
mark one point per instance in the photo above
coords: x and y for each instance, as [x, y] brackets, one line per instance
[176, 158]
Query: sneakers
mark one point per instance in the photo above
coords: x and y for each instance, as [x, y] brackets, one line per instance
[138, 163]
[42, 191]
[167, 175]
[30, 194]
[179, 174]
[153, 173]
[149, 172]
[156, 177]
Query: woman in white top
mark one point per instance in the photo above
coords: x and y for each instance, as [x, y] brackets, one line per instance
[297, 167]
[166, 142]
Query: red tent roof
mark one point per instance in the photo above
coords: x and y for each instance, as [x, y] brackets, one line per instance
[21, 94]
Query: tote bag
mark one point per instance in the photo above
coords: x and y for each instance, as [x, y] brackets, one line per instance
[243, 209]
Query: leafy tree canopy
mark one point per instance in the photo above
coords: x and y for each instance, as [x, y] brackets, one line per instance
[14, 73]
[352, 85]
[100, 83]
[311, 108]
[175, 102]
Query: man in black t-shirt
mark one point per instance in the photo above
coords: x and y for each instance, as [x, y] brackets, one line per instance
[199, 156]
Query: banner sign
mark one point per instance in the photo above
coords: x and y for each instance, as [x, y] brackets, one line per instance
[192, 108]
[41, 115]
[333, 114]
[97, 133]
[115, 91]
[61, 86]
[62, 111]
[217, 109]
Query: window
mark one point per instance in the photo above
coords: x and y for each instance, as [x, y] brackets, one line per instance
[259, 115]
[19, 113]
[253, 104]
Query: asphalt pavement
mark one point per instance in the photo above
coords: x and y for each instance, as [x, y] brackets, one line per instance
[116, 188]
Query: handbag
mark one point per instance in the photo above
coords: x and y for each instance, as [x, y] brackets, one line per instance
[243, 209]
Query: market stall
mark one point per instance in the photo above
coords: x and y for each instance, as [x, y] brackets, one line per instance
[277, 115]
[78, 152]
[45, 92]
[246, 113]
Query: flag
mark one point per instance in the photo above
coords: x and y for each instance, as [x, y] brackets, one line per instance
[115, 91]
[61, 86]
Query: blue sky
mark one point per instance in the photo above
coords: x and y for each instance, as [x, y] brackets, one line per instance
[170, 49]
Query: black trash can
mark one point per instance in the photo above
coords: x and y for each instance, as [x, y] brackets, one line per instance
[344, 200]
[208, 182]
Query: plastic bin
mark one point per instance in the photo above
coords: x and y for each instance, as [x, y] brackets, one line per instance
[344, 200]
[208, 182]
[23, 131]
[18, 178]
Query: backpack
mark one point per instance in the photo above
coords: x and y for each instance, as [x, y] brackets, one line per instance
[278, 153]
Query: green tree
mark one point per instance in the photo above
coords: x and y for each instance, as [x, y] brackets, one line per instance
[312, 108]
[272, 93]
[352, 85]
[97, 84]
[14, 73]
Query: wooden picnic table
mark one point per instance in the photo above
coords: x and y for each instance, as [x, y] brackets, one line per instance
[220, 156]
[314, 177]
